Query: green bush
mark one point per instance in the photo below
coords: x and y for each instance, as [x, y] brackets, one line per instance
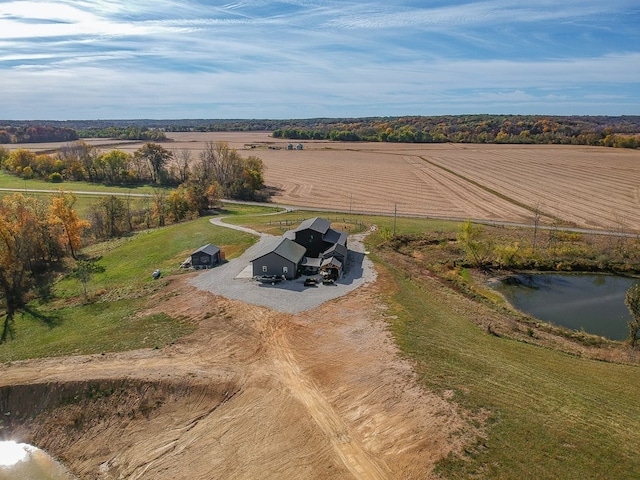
[55, 177]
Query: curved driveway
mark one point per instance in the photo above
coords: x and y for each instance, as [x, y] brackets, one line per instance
[233, 279]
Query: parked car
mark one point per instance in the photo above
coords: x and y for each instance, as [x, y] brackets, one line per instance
[272, 279]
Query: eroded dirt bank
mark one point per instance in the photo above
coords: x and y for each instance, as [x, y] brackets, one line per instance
[253, 393]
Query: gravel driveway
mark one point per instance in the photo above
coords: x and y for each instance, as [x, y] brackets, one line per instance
[233, 279]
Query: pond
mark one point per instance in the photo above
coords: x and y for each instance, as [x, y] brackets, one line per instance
[26, 462]
[593, 303]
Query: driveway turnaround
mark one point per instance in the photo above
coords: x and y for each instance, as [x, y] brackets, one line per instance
[233, 279]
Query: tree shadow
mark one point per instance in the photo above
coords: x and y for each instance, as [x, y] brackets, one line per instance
[50, 320]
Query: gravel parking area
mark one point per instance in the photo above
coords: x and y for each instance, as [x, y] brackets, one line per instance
[233, 279]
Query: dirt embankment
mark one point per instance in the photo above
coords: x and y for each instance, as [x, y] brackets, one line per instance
[253, 393]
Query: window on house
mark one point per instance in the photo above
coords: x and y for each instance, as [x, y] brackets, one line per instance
[285, 269]
[264, 269]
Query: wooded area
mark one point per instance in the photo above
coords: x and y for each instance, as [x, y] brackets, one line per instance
[619, 131]
[514, 129]
[219, 171]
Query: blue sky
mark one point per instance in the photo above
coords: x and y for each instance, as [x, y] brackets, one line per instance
[95, 59]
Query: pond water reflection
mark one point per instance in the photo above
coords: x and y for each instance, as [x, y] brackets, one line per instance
[26, 462]
[593, 303]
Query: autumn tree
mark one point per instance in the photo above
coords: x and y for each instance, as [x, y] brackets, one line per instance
[184, 160]
[114, 166]
[157, 157]
[236, 176]
[26, 249]
[79, 160]
[475, 248]
[632, 301]
[20, 159]
[109, 217]
[177, 204]
[159, 206]
[65, 217]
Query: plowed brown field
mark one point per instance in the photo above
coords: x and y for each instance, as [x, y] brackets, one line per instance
[590, 187]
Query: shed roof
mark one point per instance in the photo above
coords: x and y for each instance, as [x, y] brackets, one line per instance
[335, 236]
[209, 249]
[335, 249]
[285, 248]
[332, 262]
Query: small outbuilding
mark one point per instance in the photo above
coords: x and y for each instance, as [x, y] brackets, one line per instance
[207, 256]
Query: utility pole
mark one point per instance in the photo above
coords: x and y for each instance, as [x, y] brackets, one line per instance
[395, 215]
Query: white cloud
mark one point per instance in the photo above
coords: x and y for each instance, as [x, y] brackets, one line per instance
[293, 56]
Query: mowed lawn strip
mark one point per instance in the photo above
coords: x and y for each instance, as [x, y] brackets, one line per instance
[66, 324]
[549, 415]
[8, 180]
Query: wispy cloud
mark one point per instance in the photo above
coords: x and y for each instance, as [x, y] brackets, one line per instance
[308, 58]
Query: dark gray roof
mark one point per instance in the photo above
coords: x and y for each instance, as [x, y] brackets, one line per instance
[335, 249]
[316, 224]
[335, 236]
[209, 249]
[285, 248]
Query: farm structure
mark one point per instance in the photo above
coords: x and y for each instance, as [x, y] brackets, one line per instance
[281, 259]
[317, 236]
[312, 247]
[207, 256]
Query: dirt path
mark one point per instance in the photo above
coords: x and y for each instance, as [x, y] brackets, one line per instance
[359, 463]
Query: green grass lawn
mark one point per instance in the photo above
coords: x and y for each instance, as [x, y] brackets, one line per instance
[68, 325]
[128, 262]
[8, 180]
[91, 328]
[550, 415]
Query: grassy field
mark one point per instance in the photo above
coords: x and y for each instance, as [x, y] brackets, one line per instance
[548, 414]
[14, 182]
[67, 324]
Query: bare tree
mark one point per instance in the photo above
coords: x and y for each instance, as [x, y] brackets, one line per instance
[184, 160]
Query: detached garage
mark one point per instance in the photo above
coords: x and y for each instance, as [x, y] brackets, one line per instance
[206, 257]
[281, 259]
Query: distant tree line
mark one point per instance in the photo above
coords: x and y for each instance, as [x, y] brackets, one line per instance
[603, 131]
[123, 133]
[36, 134]
[621, 131]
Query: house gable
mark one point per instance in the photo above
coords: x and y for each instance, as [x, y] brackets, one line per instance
[282, 258]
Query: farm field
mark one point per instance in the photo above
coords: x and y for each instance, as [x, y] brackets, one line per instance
[587, 187]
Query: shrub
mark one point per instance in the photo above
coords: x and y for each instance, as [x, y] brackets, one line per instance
[55, 177]
[27, 172]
